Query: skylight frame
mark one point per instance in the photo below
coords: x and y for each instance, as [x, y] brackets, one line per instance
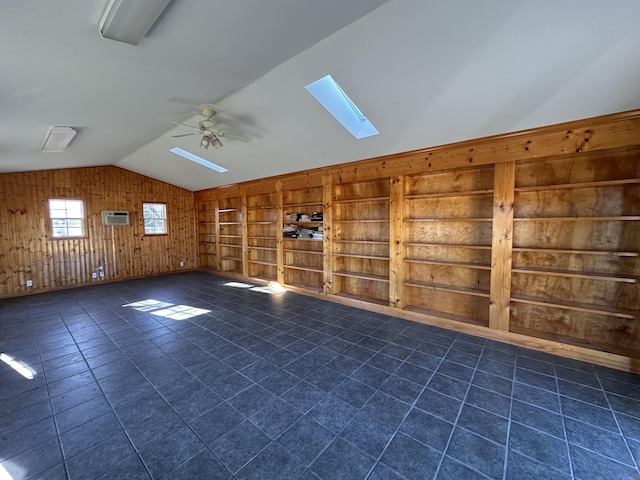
[199, 160]
[331, 96]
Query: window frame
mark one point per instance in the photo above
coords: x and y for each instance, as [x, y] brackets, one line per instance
[52, 218]
[163, 219]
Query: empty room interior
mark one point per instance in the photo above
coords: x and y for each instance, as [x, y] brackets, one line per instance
[296, 240]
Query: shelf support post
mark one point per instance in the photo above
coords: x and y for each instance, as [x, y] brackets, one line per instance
[245, 233]
[279, 235]
[217, 231]
[396, 216]
[502, 245]
[327, 227]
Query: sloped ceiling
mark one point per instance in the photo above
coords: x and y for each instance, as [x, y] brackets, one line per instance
[425, 72]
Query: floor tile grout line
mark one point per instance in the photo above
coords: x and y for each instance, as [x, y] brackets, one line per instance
[455, 423]
[564, 430]
[124, 430]
[510, 419]
[620, 430]
[53, 414]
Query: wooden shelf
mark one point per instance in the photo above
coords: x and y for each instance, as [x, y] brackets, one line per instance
[447, 245]
[448, 194]
[365, 220]
[263, 261]
[230, 245]
[230, 223]
[272, 249]
[226, 210]
[306, 268]
[262, 223]
[446, 263]
[313, 288]
[296, 222]
[311, 252]
[362, 298]
[621, 218]
[575, 274]
[602, 183]
[575, 306]
[609, 253]
[261, 238]
[301, 239]
[361, 255]
[230, 236]
[206, 223]
[362, 200]
[263, 207]
[450, 219]
[365, 276]
[372, 242]
[208, 243]
[446, 288]
[446, 315]
[297, 205]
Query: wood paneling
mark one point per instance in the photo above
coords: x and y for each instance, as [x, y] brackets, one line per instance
[28, 252]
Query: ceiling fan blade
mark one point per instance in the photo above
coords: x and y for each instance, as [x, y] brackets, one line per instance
[185, 135]
[184, 124]
[233, 136]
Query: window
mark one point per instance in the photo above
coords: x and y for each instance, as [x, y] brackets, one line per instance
[67, 218]
[155, 218]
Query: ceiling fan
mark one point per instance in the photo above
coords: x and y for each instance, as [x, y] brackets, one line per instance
[211, 131]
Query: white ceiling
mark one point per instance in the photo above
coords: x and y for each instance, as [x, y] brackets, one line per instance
[425, 72]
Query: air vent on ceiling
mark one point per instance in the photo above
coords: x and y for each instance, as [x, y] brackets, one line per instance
[114, 217]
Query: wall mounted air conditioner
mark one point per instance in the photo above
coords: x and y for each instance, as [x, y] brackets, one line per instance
[115, 217]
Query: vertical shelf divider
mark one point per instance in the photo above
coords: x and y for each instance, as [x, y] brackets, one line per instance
[217, 232]
[396, 241]
[502, 245]
[279, 235]
[245, 235]
[327, 247]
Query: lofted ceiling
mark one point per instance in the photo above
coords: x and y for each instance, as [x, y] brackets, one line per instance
[425, 72]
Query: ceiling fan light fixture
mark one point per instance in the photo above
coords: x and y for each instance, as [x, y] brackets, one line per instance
[205, 141]
[216, 142]
[129, 20]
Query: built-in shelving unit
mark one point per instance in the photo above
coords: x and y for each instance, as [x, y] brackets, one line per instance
[303, 256]
[447, 218]
[262, 226]
[360, 240]
[532, 238]
[230, 234]
[207, 235]
[575, 274]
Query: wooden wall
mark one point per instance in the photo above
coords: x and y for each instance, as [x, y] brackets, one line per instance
[27, 251]
[531, 237]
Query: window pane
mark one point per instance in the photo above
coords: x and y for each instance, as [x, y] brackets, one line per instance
[67, 217]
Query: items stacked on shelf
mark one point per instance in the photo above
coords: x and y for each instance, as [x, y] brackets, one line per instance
[447, 243]
[262, 220]
[230, 226]
[361, 240]
[576, 251]
[207, 237]
[303, 247]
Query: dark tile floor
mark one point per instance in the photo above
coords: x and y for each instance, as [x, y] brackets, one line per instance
[188, 377]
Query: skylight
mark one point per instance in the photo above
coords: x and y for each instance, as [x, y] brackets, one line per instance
[197, 159]
[333, 98]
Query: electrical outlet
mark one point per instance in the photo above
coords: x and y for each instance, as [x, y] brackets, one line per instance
[182, 264]
[101, 274]
[29, 283]
[94, 275]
